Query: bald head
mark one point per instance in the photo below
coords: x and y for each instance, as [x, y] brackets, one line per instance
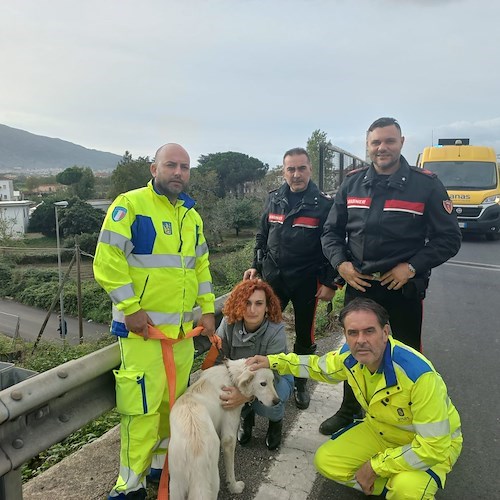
[170, 147]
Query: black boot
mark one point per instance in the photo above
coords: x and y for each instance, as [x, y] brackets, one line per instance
[245, 429]
[273, 436]
[301, 394]
[348, 411]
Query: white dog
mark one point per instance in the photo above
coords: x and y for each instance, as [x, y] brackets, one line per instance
[199, 426]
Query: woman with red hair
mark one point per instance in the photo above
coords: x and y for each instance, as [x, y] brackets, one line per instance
[253, 324]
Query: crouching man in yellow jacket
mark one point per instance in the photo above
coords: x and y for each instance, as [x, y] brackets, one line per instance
[152, 259]
[410, 437]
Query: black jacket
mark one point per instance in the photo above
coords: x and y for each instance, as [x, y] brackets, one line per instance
[403, 217]
[288, 243]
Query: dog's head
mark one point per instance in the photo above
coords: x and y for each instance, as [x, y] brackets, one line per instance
[259, 384]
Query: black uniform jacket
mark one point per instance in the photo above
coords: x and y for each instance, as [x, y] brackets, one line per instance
[380, 221]
[288, 243]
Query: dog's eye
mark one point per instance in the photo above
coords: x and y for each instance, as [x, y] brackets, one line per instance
[263, 384]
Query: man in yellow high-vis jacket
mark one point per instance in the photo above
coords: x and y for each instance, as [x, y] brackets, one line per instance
[410, 437]
[152, 260]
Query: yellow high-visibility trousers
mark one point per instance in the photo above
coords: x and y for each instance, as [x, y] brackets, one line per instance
[142, 399]
[340, 457]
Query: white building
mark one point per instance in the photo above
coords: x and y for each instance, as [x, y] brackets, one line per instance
[6, 190]
[14, 218]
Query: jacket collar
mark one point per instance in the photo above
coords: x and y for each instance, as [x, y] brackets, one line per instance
[397, 180]
[188, 201]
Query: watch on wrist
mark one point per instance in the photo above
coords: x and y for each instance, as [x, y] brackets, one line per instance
[412, 269]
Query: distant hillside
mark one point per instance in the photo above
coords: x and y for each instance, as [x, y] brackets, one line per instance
[21, 149]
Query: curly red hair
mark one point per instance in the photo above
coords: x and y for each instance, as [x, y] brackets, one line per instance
[236, 304]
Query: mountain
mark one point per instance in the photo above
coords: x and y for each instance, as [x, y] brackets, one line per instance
[22, 150]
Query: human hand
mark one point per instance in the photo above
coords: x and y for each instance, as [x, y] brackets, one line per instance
[138, 323]
[366, 476]
[353, 277]
[325, 293]
[256, 362]
[250, 274]
[207, 321]
[397, 277]
[231, 398]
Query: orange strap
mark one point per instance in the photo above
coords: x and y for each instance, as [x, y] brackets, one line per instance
[168, 361]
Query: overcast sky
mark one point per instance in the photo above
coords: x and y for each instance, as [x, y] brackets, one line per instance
[254, 76]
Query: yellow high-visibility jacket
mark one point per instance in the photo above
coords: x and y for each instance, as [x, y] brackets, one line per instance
[152, 255]
[410, 407]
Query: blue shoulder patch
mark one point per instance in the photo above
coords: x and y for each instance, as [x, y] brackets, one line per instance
[413, 365]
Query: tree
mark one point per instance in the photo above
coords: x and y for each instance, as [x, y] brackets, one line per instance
[80, 181]
[77, 218]
[237, 213]
[317, 139]
[130, 174]
[80, 218]
[233, 170]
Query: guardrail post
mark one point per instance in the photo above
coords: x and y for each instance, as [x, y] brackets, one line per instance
[11, 485]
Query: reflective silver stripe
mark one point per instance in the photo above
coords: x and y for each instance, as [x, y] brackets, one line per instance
[304, 366]
[205, 287]
[457, 433]
[152, 261]
[190, 262]
[158, 460]
[122, 293]
[129, 478]
[164, 318]
[412, 458]
[409, 428]
[118, 315]
[201, 249]
[322, 364]
[116, 240]
[433, 429]
[188, 316]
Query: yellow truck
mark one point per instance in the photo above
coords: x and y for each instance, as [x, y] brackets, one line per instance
[471, 176]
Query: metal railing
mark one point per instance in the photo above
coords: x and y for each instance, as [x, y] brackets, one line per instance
[41, 411]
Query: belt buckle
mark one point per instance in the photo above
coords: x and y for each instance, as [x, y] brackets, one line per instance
[376, 276]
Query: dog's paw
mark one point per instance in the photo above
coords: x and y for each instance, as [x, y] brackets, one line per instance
[236, 487]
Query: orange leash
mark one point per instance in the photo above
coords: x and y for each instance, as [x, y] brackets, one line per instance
[168, 361]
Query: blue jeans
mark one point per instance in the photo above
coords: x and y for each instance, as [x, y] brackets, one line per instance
[284, 387]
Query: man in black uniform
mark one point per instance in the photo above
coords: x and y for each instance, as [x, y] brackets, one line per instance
[288, 252]
[389, 226]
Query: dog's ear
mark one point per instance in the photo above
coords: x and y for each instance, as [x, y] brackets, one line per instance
[244, 381]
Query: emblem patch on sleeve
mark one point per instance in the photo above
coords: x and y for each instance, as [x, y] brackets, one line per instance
[167, 227]
[118, 213]
[448, 206]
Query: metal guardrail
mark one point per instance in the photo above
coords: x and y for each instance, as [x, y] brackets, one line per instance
[41, 411]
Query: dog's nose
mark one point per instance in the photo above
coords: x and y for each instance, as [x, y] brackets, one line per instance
[276, 401]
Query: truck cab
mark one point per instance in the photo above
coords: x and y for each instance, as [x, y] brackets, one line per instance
[471, 176]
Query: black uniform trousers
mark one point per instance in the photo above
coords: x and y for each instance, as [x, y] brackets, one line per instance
[405, 312]
[302, 295]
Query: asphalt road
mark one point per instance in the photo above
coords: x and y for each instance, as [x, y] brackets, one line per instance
[31, 320]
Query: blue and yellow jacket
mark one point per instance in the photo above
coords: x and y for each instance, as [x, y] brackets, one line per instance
[152, 255]
[409, 408]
